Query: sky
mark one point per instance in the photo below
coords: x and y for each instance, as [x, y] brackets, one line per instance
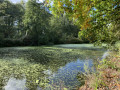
[15, 1]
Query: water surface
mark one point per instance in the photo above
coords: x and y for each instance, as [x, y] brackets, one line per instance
[46, 67]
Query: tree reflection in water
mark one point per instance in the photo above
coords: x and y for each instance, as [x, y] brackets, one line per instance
[38, 66]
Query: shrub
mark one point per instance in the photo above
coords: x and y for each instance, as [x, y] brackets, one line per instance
[74, 41]
[11, 42]
[117, 46]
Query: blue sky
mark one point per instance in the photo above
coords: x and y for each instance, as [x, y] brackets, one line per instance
[15, 1]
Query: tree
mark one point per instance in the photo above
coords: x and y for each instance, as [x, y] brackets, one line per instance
[11, 15]
[92, 16]
[10, 22]
[62, 29]
[105, 15]
[77, 10]
[36, 22]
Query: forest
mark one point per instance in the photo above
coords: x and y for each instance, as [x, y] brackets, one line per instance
[32, 23]
[59, 22]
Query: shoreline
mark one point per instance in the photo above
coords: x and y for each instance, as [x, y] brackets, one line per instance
[107, 76]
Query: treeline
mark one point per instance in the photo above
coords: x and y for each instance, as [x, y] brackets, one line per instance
[32, 23]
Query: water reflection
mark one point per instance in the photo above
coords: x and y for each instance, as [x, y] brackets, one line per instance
[68, 73]
[15, 84]
[35, 68]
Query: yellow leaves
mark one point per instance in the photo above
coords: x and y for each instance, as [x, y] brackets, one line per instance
[37, 81]
[81, 10]
[85, 24]
[59, 4]
[77, 9]
[77, 15]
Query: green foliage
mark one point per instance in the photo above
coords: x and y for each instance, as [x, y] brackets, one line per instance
[98, 20]
[12, 15]
[117, 45]
[62, 30]
[36, 22]
[32, 24]
[77, 10]
[104, 26]
[10, 21]
[75, 40]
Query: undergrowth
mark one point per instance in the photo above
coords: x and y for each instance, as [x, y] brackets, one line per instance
[107, 75]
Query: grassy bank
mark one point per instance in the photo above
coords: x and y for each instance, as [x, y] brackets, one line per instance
[107, 76]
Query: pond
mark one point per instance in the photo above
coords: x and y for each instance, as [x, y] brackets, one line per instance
[46, 67]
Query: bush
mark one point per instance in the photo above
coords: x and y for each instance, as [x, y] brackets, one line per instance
[1, 39]
[117, 46]
[11, 42]
[74, 41]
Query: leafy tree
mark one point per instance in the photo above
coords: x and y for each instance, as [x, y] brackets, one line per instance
[62, 29]
[36, 22]
[94, 17]
[11, 15]
[77, 10]
[104, 17]
[10, 21]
